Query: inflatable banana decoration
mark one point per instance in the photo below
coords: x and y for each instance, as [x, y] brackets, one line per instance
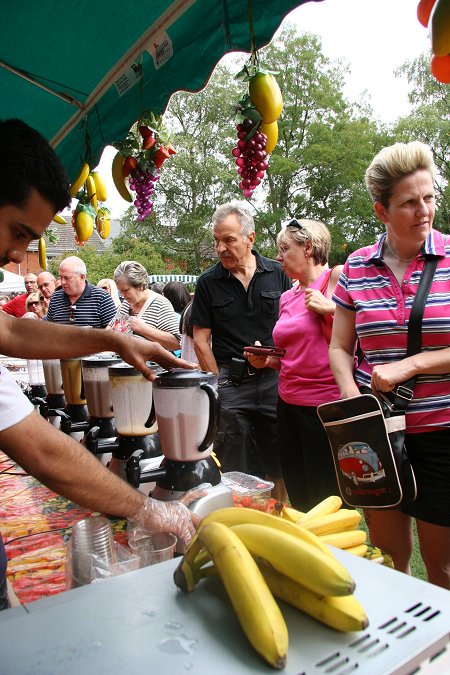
[42, 254]
[271, 131]
[79, 180]
[100, 186]
[92, 192]
[119, 178]
[59, 219]
[266, 96]
[84, 225]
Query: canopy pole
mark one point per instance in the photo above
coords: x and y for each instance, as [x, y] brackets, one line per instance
[20, 73]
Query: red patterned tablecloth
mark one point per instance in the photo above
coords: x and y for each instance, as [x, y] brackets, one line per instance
[35, 524]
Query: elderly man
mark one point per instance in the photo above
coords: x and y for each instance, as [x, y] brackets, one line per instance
[235, 303]
[46, 284]
[17, 306]
[31, 192]
[77, 301]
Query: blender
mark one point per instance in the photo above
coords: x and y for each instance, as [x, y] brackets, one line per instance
[187, 410]
[76, 407]
[36, 391]
[53, 406]
[102, 428]
[136, 448]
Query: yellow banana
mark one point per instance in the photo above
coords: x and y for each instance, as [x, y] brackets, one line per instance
[344, 539]
[42, 254]
[100, 186]
[271, 131]
[232, 516]
[266, 96]
[292, 514]
[254, 604]
[185, 575]
[343, 613]
[59, 219]
[119, 179]
[297, 559]
[103, 223]
[92, 192]
[344, 519]
[79, 180]
[360, 550]
[440, 28]
[329, 505]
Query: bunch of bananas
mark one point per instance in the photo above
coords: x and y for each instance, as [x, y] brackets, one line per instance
[90, 189]
[259, 557]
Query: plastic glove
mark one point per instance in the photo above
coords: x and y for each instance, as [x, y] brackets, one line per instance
[157, 516]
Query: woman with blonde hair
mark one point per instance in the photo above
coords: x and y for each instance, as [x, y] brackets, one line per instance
[35, 307]
[109, 285]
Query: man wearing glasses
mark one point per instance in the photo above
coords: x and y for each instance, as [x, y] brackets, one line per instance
[17, 306]
[78, 302]
[46, 284]
[31, 192]
[235, 303]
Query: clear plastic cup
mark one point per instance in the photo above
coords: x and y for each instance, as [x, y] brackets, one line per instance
[153, 548]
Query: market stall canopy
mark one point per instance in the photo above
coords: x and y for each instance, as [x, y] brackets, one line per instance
[82, 72]
[12, 283]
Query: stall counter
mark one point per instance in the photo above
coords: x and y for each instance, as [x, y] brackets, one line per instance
[141, 623]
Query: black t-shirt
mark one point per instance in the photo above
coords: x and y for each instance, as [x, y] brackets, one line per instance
[235, 316]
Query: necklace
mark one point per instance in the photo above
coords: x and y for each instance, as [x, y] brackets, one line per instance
[396, 255]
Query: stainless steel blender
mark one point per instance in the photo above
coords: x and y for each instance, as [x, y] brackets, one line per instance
[76, 407]
[53, 406]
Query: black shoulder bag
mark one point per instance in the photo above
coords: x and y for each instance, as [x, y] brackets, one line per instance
[367, 434]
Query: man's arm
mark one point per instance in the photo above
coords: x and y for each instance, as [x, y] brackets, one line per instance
[67, 468]
[43, 340]
[202, 346]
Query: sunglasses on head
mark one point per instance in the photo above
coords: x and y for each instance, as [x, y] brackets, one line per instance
[293, 224]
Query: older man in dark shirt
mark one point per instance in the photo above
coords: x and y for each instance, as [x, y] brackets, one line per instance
[235, 303]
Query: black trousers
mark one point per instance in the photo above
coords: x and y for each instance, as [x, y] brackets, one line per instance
[247, 437]
[305, 455]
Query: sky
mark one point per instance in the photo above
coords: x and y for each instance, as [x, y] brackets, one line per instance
[373, 36]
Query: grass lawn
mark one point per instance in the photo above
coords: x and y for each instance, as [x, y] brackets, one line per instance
[417, 566]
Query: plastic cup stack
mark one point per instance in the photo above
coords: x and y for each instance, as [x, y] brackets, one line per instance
[91, 536]
[154, 548]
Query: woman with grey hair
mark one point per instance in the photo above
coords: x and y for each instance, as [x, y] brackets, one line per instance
[144, 312]
[374, 298]
[305, 379]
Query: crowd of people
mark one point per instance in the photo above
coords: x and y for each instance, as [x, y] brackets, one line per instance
[320, 317]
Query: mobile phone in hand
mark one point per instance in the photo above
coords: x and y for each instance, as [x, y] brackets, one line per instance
[265, 350]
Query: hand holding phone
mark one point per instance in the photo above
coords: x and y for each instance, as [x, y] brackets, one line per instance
[265, 350]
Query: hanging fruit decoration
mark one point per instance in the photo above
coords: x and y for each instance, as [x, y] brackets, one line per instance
[435, 14]
[136, 166]
[257, 114]
[90, 190]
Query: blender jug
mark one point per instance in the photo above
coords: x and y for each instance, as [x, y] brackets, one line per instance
[96, 383]
[187, 409]
[132, 400]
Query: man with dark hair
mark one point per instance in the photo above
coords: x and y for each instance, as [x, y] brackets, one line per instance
[33, 187]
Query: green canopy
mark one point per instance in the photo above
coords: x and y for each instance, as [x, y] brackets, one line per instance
[82, 71]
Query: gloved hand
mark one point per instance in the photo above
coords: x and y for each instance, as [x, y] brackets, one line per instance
[172, 516]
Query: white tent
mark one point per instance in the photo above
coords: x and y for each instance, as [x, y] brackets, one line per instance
[12, 283]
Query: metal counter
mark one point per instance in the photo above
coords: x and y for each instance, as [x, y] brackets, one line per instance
[140, 623]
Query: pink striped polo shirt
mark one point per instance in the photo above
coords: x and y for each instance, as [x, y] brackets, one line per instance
[368, 287]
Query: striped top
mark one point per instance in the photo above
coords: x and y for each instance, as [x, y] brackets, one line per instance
[94, 308]
[368, 287]
[157, 312]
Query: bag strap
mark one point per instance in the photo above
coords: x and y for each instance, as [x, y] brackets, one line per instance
[326, 281]
[404, 392]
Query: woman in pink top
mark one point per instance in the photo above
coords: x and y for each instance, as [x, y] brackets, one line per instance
[305, 377]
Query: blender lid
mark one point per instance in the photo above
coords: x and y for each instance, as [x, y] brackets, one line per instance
[123, 369]
[181, 378]
[101, 360]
